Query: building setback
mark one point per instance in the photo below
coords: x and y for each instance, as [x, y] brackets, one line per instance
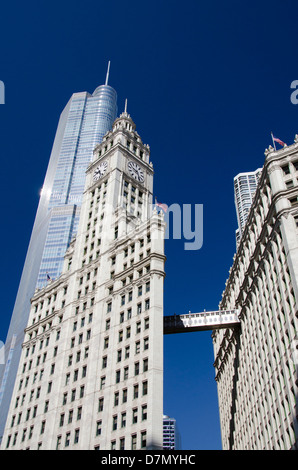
[84, 121]
[256, 365]
[91, 368]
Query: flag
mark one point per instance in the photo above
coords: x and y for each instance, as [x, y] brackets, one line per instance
[275, 139]
[48, 277]
[163, 206]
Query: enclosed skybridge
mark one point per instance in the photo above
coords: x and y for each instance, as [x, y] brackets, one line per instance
[201, 321]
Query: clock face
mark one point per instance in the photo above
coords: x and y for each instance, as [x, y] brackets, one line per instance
[100, 171]
[136, 171]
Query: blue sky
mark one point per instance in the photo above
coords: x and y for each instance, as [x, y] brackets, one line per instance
[206, 83]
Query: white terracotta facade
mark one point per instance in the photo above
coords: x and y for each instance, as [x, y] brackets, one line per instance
[91, 370]
[256, 364]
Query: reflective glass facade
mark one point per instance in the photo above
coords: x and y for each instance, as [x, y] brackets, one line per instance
[89, 118]
[82, 124]
[245, 185]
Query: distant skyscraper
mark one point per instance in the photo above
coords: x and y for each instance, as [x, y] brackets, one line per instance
[171, 435]
[256, 364]
[83, 123]
[245, 185]
[91, 369]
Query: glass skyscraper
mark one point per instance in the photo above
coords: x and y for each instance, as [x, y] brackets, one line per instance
[88, 120]
[171, 434]
[83, 123]
[245, 185]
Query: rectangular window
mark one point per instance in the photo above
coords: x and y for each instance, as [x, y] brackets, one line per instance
[100, 404]
[58, 444]
[102, 381]
[145, 387]
[98, 428]
[144, 412]
[122, 443]
[114, 427]
[67, 439]
[143, 439]
[42, 428]
[134, 415]
[76, 436]
[285, 169]
[119, 355]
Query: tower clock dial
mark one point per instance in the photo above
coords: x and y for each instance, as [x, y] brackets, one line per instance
[100, 171]
[136, 171]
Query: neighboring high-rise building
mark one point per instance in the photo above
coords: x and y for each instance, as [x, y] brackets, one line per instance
[171, 435]
[245, 185]
[256, 364]
[83, 123]
[91, 369]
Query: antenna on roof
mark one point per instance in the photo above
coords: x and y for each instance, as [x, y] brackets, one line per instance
[108, 71]
[125, 108]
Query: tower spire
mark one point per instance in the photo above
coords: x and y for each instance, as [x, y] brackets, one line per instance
[108, 71]
[125, 107]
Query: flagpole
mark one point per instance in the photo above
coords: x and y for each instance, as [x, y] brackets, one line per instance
[273, 141]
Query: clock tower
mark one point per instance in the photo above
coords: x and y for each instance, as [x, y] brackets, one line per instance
[121, 166]
[101, 321]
